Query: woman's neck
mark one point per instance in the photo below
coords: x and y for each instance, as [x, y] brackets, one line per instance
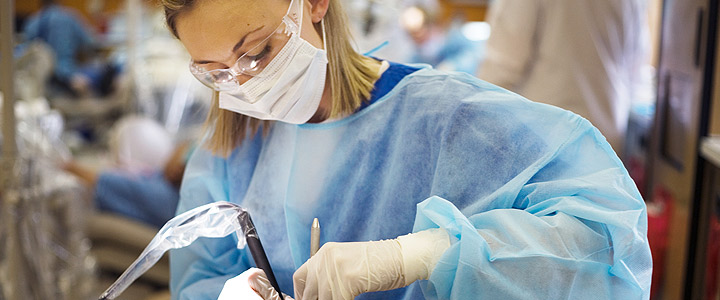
[323, 112]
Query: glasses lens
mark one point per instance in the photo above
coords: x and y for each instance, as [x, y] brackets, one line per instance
[214, 79]
[254, 61]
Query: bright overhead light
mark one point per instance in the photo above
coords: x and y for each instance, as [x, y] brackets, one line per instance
[476, 31]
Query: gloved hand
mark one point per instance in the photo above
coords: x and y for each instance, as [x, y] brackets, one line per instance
[345, 270]
[251, 285]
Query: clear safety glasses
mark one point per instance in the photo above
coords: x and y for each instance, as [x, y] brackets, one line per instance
[254, 61]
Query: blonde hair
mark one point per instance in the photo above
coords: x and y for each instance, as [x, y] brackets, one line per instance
[351, 80]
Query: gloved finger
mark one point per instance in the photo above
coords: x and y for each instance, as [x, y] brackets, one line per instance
[239, 287]
[328, 280]
[313, 281]
[328, 288]
[299, 280]
[259, 282]
[306, 279]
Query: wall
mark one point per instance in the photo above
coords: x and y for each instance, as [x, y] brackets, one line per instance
[469, 10]
[25, 8]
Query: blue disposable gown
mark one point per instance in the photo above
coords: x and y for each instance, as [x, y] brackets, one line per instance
[537, 204]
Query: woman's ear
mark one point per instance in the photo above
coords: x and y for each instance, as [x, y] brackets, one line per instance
[318, 9]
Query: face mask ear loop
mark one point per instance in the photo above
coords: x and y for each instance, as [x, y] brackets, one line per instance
[322, 25]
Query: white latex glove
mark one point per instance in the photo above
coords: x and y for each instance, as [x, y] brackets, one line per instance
[250, 285]
[345, 270]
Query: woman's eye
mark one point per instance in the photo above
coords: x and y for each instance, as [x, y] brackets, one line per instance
[260, 55]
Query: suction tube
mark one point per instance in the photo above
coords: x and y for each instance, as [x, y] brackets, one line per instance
[256, 248]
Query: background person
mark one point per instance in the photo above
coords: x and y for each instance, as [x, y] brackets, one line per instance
[584, 56]
[444, 48]
[72, 42]
[144, 180]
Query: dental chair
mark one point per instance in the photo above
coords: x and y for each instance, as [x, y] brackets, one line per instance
[116, 242]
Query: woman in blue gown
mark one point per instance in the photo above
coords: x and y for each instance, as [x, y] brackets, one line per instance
[426, 184]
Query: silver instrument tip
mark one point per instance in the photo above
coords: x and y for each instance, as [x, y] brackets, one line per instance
[316, 223]
[314, 237]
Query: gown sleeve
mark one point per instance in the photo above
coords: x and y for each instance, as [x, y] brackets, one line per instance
[200, 270]
[569, 225]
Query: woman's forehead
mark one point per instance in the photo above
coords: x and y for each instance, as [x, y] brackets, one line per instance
[212, 27]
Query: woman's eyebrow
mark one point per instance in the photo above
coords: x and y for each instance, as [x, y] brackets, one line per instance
[240, 43]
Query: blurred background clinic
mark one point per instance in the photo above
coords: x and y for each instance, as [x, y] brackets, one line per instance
[100, 114]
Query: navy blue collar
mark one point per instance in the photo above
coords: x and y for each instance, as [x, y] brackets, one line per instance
[387, 81]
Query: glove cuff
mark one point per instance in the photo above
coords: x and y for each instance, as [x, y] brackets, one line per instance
[421, 251]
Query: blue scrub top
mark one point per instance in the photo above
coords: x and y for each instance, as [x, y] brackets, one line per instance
[64, 32]
[387, 81]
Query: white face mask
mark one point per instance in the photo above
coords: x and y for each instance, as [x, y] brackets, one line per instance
[289, 89]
